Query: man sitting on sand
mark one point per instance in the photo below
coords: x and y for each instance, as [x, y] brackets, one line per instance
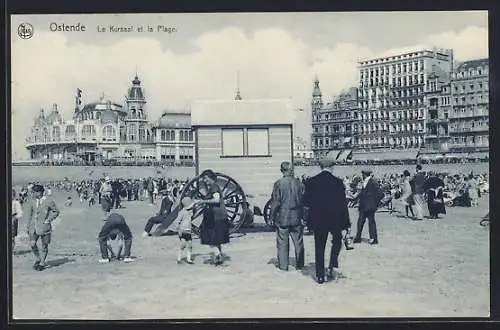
[115, 227]
[165, 209]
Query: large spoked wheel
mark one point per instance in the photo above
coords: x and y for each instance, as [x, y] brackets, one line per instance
[267, 213]
[232, 194]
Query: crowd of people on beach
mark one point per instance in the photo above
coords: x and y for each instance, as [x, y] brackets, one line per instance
[296, 203]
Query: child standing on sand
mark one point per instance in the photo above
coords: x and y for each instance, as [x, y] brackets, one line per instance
[183, 221]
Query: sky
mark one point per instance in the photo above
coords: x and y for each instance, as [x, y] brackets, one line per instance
[277, 55]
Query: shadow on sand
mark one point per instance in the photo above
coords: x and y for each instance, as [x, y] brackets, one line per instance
[21, 253]
[207, 259]
[256, 228]
[59, 262]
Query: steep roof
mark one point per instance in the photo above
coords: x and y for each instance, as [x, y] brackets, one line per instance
[473, 64]
[174, 120]
[244, 112]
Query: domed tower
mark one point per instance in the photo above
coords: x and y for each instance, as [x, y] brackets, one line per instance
[317, 99]
[54, 117]
[136, 128]
[135, 102]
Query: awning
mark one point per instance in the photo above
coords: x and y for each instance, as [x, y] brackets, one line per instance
[432, 156]
[334, 154]
[344, 154]
[389, 155]
[478, 155]
[455, 155]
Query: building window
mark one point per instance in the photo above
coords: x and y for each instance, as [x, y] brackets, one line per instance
[186, 135]
[88, 131]
[167, 153]
[142, 133]
[56, 133]
[109, 133]
[185, 153]
[258, 142]
[132, 133]
[232, 142]
[167, 135]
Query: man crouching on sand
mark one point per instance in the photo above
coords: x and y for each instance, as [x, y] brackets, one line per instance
[42, 210]
[115, 228]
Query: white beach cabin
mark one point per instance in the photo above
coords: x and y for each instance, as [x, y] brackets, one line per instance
[244, 139]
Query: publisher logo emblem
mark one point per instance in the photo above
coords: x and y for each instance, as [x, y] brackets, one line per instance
[25, 30]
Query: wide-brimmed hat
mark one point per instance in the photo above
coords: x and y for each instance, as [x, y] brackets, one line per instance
[107, 179]
[366, 171]
[187, 203]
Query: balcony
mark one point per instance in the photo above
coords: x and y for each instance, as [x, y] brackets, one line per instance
[459, 115]
[452, 144]
[437, 135]
[437, 120]
[469, 129]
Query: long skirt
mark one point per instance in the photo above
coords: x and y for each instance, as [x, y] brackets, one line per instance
[419, 203]
[435, 204]
[213, 231]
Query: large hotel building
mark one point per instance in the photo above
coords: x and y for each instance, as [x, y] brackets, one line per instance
[392, 98]
[409, 102]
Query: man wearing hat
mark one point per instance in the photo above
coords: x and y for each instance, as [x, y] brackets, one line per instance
[115, 227]
[42, 210]
[327, 210]
[165, 209]
[106, 192]
[287, 214]
[369, 199]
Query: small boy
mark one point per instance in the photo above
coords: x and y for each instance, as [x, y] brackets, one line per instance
[183, 221]
[69, 201]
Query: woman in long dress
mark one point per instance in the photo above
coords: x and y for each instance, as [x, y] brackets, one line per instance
[435, 202]
[214, 228]
[473, 191]
[406, 195]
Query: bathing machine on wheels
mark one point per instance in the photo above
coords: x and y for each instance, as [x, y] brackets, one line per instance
[244, 143]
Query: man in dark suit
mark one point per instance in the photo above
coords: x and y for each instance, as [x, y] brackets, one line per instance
[287, 215]
[326, 205]
[369, 199]
[166, 207]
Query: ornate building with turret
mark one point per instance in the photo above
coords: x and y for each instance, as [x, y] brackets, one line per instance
[105, 129]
